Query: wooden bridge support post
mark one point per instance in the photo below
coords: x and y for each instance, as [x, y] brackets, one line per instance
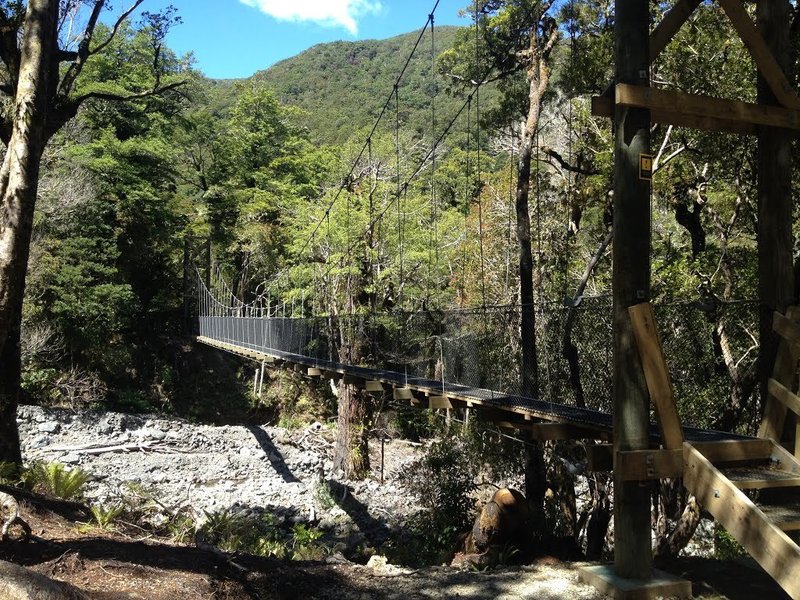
[261, 378]
[775, 270]
[631, 285]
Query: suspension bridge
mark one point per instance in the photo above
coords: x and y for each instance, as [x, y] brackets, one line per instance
[717, 466]
[443, 359]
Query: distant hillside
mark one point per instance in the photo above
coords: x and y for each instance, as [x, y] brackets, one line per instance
[343, 85]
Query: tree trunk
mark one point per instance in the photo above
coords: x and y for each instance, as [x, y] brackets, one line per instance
[530, 380]
[568, 349]
[535, 487]
[19, 180]
[684, 530]
[599, 516]
[775, 272]
[354, 407]
[352, 450]
[537, 74]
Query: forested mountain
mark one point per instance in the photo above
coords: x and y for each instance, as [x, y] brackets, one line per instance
[342, 86]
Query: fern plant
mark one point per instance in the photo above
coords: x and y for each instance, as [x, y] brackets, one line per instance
[105, 516]
[54, 479]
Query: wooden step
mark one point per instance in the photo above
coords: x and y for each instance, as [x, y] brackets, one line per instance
[784, 516]
[760, 476]
[761, 530]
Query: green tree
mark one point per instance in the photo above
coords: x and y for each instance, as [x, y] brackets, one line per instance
[43, 96]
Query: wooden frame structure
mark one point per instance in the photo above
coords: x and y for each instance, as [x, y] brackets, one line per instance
[633, 104]
[704, 112]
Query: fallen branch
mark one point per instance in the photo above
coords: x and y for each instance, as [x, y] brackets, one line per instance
[131, 447]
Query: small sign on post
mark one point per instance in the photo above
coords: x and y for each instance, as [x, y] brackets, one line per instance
[646, 167]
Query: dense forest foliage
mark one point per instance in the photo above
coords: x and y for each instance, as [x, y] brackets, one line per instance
[262, 167]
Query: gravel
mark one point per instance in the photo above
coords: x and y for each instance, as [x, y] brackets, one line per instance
[207, 468]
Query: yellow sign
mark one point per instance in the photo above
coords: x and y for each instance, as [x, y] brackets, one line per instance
[646, 167]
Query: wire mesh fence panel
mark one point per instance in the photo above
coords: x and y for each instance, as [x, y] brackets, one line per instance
[710, 347]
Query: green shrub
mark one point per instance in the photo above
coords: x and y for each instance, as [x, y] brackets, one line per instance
[442, 481]
[725, 545]
[263, 536]
[39, 384]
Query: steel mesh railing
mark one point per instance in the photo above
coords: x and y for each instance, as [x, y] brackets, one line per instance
[710, 348]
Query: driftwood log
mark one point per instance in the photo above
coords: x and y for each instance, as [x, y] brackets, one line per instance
[10, 511]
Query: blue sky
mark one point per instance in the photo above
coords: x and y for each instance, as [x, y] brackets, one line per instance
[236, 38]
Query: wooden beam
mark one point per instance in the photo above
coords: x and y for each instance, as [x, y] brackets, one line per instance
[669, 25]
[604, 107]
[630, 275]
[403, 393]
[797, 437]
[763, 57]
[705, 107]
[786, 462]
[374, 386]
[783, 372]
[783, 394]
[512, 424]
[656, 374]
[439, 402]
[354, 381]
[643, 465]
[494, 414]
[314, 372]
[767, 544]
[559, 431]
[786, 328]
[735, 450]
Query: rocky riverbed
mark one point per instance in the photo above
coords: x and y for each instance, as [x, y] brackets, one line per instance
[183, 466]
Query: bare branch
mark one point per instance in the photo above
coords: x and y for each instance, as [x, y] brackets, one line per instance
[83, 50]
[133, 96]
[565, 165]
[117, 25]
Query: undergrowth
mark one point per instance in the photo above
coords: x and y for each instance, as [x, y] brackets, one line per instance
[262, 535]
[54, 479]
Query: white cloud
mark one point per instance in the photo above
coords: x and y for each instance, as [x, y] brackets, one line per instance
[330, 13]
